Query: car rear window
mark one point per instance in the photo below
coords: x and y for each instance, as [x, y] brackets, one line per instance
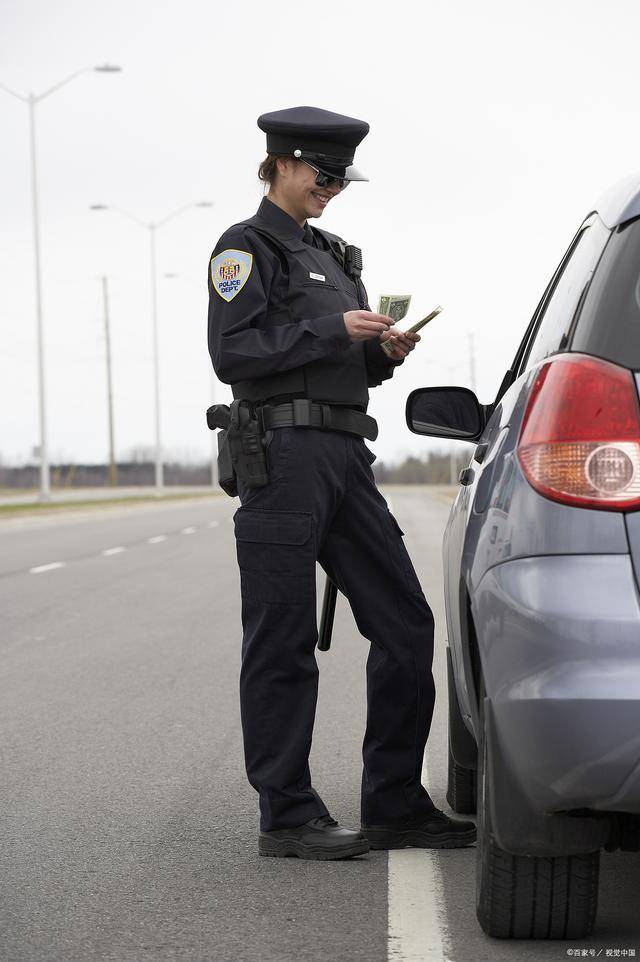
[609, 322]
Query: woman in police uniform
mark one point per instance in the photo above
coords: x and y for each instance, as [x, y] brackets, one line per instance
[291, 331]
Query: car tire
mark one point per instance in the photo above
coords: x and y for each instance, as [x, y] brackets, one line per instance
[526, 896]
[461, 787]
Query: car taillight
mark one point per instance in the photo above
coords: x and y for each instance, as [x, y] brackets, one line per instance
[580, 438]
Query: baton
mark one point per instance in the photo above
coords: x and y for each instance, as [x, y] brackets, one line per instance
[328, 611]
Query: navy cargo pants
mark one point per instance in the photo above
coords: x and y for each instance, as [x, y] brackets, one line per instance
[322, 504]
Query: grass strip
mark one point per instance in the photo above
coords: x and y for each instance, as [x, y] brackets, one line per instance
[52, 507]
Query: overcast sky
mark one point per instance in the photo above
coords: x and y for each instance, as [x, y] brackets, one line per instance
[495, 127]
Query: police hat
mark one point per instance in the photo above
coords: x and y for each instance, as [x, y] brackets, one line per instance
[324, 139]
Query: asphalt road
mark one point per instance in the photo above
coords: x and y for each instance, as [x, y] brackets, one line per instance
[128, 827]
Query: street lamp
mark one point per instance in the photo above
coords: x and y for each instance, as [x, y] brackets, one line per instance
[31, 100]
[152, 226]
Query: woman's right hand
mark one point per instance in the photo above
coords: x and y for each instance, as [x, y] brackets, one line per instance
[363, 325]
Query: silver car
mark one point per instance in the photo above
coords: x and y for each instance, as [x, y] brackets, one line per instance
[542, 567]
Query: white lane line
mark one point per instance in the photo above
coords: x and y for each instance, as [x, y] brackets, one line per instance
[415, 890]
[213, 524]
[416, 904]
[188, 530]
[157, 538]
[49, 567]
[109, 551]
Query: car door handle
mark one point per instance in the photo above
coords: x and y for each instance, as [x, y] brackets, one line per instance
[480, 451]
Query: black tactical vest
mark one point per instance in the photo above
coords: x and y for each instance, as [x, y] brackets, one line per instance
[338, 379]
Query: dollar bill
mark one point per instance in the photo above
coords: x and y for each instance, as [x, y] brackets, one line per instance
[387, 346]
[394, 305]
[425, 320]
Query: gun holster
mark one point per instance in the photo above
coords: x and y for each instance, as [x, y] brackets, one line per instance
[219, 416]
[242, 444]
[226, 474]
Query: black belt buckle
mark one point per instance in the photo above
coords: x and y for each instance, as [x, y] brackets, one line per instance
[301, 412]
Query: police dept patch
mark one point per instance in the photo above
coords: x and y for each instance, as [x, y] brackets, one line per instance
[230, 272]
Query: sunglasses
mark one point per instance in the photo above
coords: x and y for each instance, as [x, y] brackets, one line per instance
[325, 180]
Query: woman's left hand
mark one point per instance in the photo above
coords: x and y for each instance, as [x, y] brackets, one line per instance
[401, 343]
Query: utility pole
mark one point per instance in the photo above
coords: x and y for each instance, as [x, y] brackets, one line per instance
[452, 445]
[472, 364]
[113, 470]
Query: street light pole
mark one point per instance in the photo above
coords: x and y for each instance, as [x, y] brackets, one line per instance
[31, 100]
[45, 490]
[152, 227]
[156, 357]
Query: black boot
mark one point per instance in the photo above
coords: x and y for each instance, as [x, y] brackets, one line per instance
[433, 830]
[321, 838]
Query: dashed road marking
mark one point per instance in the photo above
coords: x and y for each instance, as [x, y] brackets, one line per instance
[416, 904]
[120, 548]
[415, 890]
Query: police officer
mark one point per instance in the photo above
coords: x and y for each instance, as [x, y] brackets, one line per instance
[291, 331]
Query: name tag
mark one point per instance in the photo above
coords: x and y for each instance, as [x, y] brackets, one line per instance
[316, 277]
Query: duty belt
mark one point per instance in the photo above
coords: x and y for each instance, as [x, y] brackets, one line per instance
[304, 413]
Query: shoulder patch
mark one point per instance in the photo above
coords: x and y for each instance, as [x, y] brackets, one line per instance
[230, 272]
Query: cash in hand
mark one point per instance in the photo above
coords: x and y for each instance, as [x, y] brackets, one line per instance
[396, 306]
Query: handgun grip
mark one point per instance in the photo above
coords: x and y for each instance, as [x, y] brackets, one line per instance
[218, 416]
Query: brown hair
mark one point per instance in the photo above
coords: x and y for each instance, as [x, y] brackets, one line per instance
[268, 169]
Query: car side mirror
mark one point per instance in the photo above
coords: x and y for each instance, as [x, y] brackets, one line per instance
[445, 412]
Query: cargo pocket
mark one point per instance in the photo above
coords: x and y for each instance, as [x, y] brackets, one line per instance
[276, 555]
[404, 560]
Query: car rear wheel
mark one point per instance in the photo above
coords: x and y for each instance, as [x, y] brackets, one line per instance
[525, 896]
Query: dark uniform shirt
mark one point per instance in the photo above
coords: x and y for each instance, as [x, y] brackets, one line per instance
[276, 322]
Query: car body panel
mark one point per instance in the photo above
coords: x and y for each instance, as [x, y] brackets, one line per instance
[558, 638]
[632, 521]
